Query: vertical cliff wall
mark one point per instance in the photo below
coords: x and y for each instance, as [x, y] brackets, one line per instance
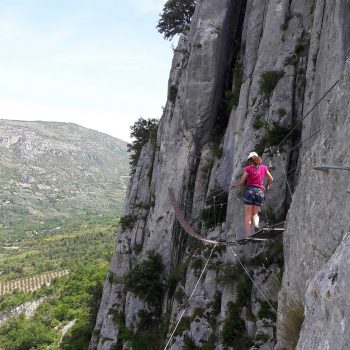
[242, 78]
[317, 235]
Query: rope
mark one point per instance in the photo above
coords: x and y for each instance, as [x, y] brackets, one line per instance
[291, 149]
[278, 179]
[188, 302]
[201, 213]
[213, 194]
[221, 205]
[346, 57]
[226, 187]
[307, 139]
[256, 286]
[347, 54]
[285, 174]
[305, 116]
[218, 192]
[265, 210]
[276, 148]
[215, 212]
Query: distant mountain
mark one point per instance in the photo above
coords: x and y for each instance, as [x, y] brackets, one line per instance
[52, 174]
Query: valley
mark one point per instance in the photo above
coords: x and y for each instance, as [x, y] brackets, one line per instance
[68, 270]
[55, 176]
[62, 188]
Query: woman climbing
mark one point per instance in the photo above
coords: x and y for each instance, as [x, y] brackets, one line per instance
[253, 196]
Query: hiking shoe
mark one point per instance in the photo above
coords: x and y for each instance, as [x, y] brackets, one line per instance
[256, 229]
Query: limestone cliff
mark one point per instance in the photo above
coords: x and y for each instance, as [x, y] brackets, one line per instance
[243, 77]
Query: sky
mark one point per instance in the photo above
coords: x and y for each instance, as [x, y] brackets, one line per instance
[97, 63]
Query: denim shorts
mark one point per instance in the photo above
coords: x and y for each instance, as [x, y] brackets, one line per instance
[253, 196]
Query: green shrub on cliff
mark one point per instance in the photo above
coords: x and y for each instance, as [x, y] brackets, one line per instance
[234, 330]
[142, 131]
[127, 222]
[268, 82]
[144, 280]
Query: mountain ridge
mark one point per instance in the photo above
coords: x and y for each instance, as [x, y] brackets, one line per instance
[54, 171]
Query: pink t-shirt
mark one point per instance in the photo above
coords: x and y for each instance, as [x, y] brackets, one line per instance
[255, 175]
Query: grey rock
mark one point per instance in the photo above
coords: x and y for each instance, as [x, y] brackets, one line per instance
[327, 304]
[28, 309]
[277, 35]
[318, 219]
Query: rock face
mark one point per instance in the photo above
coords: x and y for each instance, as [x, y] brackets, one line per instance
[327, 304]
[318, 220]
[243, 78]
[29, 308]
[53, 172]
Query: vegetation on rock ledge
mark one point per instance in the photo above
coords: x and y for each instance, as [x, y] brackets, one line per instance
[175, 17]
[144, 280]
[142, 131]
[268, 82]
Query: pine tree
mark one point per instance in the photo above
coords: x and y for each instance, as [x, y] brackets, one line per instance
[175, 17]
[142, 131]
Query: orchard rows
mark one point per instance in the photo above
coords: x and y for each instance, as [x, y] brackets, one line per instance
[31, 284]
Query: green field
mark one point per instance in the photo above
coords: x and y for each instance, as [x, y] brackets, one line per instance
[85, 250]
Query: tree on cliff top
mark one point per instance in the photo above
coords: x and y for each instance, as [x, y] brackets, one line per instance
[175, 17]
[142, 131]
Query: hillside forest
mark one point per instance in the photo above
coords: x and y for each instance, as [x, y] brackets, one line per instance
[65, 318]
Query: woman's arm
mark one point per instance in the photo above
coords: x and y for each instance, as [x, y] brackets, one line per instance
[241, 180]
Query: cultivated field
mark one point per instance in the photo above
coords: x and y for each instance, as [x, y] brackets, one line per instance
[30, 284]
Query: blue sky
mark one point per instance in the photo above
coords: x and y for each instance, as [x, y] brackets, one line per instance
[98, 63]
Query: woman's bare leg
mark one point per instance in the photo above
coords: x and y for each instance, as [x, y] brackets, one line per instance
[248, 219]
[255, 215]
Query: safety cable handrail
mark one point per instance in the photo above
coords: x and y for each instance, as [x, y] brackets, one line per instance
[312, 109]
[302, 120]
[256, 286]
[188, 302]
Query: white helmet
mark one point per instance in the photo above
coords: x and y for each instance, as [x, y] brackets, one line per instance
[252, 154]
